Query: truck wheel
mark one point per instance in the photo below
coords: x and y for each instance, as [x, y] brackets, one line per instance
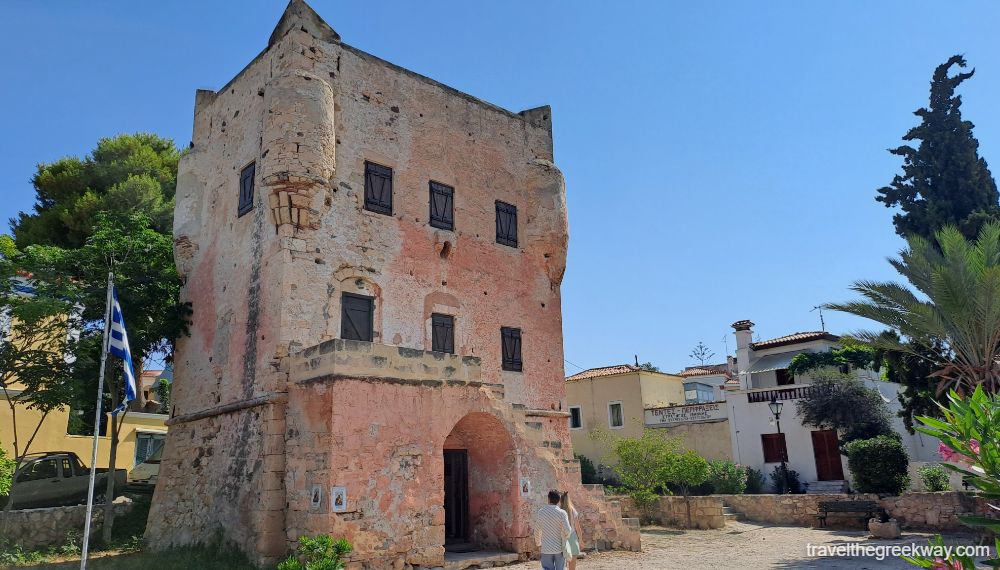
[100, 497]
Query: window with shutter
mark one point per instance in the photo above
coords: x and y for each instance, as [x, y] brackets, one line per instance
[615, 417]
[442, 206]
[443, 333]
[378, 188]
[357, 315]
[246, 189]
[575, 417]
[511, 341]
[774, 447]
[506, 224]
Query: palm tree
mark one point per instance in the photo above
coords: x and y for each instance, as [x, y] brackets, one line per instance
[955, 311]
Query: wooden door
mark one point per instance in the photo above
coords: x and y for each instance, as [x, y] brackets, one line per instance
[456, 495]
[828, 463]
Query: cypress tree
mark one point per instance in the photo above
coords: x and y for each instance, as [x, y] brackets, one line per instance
[944, 179]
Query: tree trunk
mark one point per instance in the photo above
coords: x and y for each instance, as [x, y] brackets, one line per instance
[109, 511]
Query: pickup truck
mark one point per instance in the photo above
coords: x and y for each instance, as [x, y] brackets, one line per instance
[58, 478]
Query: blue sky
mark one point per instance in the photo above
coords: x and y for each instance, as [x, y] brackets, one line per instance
[721, 158]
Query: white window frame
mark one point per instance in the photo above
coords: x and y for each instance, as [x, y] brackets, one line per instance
[620, 407]
[571, 408]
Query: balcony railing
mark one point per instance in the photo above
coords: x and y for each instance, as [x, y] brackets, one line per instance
[779, 394]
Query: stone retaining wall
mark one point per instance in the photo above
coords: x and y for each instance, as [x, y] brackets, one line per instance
[679, 512]
[32, 529]
[919, 511]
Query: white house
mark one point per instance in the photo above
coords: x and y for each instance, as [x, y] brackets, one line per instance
[813, 453]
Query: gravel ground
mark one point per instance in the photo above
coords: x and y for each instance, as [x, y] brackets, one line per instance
[743, 546]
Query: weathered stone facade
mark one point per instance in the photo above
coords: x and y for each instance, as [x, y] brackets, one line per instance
[703, 512]
[273, 404]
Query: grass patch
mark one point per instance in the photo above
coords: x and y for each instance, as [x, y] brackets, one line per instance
[191, 558]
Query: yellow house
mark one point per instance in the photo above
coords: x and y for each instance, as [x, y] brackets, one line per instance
[611, 401]
[139, 436]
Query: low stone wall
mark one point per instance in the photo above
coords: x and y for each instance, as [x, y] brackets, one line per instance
[32, 529]
[680, 512]
[917, 511]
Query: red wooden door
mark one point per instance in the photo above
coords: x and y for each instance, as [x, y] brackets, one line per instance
[828, 464]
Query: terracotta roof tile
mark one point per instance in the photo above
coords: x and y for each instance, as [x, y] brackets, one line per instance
[602, 371]
[794, 338]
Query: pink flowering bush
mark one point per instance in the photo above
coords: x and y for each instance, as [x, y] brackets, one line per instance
[970, 445]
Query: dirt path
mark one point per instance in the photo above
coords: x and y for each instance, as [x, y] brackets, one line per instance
[743, 546]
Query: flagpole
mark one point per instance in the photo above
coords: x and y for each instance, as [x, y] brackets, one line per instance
[97, 425]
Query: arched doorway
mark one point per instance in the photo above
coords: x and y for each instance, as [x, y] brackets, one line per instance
[480, 490]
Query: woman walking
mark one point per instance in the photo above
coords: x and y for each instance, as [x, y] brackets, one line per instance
[573, 542]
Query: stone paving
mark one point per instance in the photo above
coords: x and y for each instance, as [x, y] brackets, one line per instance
[745, 546]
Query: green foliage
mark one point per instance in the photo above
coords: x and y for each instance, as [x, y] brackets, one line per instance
[642, 464]
[318, 553]
[727, 477]
[955, 316]
[649, 367]
[6, 472]
[163, 387]
[844, 404]
[878, 465]
[785, 481]
[755, 482]
[701, 353]
[934, 478]
[588, 473]
[854, 355]
[970, 436]
[913, 369]
[125, 174]
[953, 562]
[148, 288]
[944, 180]
[686, 470]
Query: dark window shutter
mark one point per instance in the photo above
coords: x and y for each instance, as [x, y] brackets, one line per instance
[575, 419]
[378, 188]
[506, 224]
[246, 189]
[356, 317]
[442, 206]
[774, 447]
[783, 377]
[511, 342]
[443, 333]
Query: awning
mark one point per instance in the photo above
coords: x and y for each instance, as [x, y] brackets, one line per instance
[772, 362]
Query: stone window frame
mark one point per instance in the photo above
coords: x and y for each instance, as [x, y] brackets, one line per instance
[353, 280]
[579, 408]
[621, 414]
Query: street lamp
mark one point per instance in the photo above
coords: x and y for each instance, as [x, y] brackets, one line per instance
[776, 406]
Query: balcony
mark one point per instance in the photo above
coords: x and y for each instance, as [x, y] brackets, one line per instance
[779, 394]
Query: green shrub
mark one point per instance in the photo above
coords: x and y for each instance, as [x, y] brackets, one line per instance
[318, 553]
[934, 478]
[727, 477]
[755, 482]
[588, 473]
[784, 481]
[687, 471]
[878, 465]
[6, 472]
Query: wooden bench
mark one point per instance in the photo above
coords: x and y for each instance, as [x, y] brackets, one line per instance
[869, 508]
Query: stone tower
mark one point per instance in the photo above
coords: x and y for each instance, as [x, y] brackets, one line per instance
[374, 262]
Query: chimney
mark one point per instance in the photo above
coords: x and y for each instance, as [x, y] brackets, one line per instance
[744, 335]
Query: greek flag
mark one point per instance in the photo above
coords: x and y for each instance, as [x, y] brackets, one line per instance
[118, 346]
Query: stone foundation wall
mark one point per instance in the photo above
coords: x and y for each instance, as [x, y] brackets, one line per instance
[32, 529]
[936, 512]
[680, 512]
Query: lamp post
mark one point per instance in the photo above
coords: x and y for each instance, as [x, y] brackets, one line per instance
[776, 406]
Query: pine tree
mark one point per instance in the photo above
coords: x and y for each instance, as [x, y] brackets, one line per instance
[944, 180]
